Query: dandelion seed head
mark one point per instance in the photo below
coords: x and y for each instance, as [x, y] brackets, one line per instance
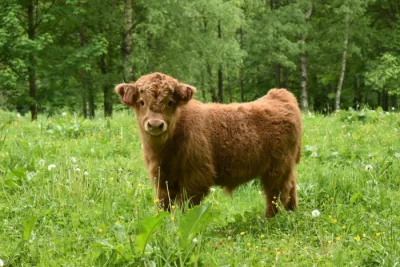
[86, 173]
[195, 240]
[64, 114]
[315, 213]
[73, 160]
[368, 167]
[51, 167]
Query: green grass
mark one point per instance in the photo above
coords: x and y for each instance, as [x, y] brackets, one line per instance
[97, 207]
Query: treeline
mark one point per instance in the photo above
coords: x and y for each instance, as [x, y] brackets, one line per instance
[69, 54]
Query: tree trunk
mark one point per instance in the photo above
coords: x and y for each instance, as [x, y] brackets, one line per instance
[107, 93]
[285, 78]
[127, 41]
[220, 86]
[32, 61]
[303, 83]
[303, 67]
[91, 101]
[230, 90]
[278, 76]
[83, 74]
[214, 97]
[344, 60]
[241, 82]
[220, 77]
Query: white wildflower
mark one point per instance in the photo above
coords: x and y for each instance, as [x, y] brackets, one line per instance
[86, 173]
[315, 213]
[393, 108]
[42, 162]
[77, 169]
[368, 167]
[335, 154]
[73, 160]
[397, 155]
[195, 241]
[1, 263]
[18, 116]
[51, 166]
[64, 114]
[92, 150]
[314, 155]
[212, 190]
[30, 175]
[120, 169]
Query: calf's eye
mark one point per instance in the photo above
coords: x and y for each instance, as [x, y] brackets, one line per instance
[170, 103]
[141, 103]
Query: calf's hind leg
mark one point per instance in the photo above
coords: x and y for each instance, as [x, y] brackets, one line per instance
[288, 195]
[279, 185]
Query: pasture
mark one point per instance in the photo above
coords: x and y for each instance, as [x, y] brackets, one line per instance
[75, 192]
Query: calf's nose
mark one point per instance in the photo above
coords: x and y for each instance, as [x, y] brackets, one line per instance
[155, 124]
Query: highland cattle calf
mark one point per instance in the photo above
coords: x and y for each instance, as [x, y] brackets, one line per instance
[190, 146]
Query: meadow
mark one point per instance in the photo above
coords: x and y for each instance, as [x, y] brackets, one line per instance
[75, 192]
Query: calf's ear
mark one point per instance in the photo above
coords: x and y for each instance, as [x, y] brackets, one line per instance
[127, 92]
[184, 92]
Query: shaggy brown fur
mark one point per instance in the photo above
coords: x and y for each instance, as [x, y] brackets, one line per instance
[190, 146]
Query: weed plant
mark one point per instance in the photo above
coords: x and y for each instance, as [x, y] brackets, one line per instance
[75, 192]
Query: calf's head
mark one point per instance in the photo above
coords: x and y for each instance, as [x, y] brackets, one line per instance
[155, 98]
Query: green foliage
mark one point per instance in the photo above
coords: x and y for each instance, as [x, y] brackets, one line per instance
[385, 74]
[95, 206]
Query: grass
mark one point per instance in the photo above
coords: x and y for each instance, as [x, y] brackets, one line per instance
[95, 206]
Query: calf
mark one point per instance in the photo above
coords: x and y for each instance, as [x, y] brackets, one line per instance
[190, 146]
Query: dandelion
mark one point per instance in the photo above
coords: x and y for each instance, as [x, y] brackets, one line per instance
[42, 162]
[51, 166]
[242, 233]
[338, 238]
[173, 207]
[368, 167]
[100, 230]
[378, 234]
[64, 114]
[262, 236]
[73, 160]
[278, 252]
[86, 173]
[30, 175]
[315, 213]
[344, 227]
[195, 241]
[139, 185]
[249, 244]
[265, 249]
[172, 218]
[357, 238]
[156, 200]
[330, 241]
[334, 220]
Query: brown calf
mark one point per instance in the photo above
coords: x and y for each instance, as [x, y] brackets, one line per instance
[190, 146]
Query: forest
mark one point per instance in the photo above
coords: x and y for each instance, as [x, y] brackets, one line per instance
[67, 55]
